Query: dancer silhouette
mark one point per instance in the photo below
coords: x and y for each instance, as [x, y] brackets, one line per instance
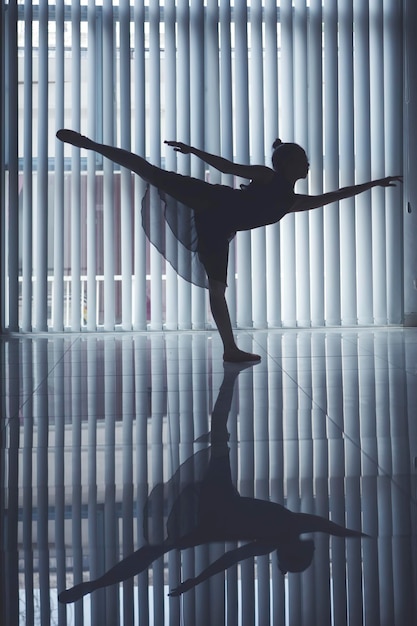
[209, 509]
[219, 211]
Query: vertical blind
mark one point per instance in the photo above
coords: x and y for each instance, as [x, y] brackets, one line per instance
[228, 77]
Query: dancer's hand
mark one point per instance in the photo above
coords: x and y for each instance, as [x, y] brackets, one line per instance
[182, 588]
[390, 181]
[179, 146]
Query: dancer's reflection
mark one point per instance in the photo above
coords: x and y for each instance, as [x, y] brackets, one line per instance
[212, 510]
[219, 211]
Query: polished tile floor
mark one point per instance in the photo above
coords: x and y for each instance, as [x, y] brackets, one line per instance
[137, 465]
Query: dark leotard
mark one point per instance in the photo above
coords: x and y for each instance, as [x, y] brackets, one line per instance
[204, 218]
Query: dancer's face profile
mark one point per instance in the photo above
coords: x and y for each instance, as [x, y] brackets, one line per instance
[301, 166]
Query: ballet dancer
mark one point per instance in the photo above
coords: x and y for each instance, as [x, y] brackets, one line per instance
[220, 210]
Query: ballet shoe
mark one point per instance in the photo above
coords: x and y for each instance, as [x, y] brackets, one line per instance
[239, 356]
[72, 137]
[75, 593]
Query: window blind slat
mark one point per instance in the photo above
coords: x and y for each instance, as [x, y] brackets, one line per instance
[41, 217]
[27, 225]
[363, 161]
[212, 121]
[286, 130]
[126, 177]
[257, 151]
[376, 45]
[287, 104]
[140, 294]
[242, 152]
[11, 252]
[90, 293]
[348, 267]
[315, 154]
[58, 240]
[108, 167]
[331, 165]
[155, 157]
[226, 131]
[302, 236]
[171, 315]
[197, 127]
[393, 59]
[183, 134]
[76, 170]
[271, 94]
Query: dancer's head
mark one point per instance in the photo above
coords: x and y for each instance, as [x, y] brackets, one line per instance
[290, 159]
[295, 555]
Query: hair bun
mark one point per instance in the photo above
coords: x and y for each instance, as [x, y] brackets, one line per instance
[276, 143]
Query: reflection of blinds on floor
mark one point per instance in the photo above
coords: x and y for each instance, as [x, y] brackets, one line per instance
[225, 78]
[323, 429]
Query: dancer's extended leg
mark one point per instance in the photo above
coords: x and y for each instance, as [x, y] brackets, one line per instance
[125, 569]
[221, 316]
[131, 161]
[195, 193]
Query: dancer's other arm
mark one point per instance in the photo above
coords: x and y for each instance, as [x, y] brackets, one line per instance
[223, 563]
[305, 202]
[259, 173]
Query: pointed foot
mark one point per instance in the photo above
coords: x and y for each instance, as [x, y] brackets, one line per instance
[74, 138]
[239, 356]
[75, 593]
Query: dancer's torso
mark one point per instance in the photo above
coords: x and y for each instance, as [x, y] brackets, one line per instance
[257, 204]
[260, 204]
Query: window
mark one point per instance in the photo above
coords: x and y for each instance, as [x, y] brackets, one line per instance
[226, 77]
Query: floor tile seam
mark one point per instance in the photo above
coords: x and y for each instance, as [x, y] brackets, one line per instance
[41, 382]
[381, 471]
[346, 435]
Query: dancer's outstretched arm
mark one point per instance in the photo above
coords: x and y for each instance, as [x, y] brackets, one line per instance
[305, 202]
[260, 173]
[228, 559]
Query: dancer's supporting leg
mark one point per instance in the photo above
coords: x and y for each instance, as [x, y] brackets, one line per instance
[221, 316]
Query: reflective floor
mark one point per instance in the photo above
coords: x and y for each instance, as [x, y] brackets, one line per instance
[137, 465]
